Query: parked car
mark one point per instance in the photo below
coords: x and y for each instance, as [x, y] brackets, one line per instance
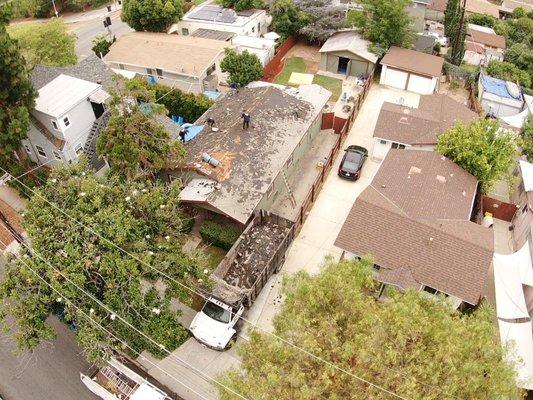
[352, 162]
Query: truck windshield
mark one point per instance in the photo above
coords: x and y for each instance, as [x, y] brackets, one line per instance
[216, 312]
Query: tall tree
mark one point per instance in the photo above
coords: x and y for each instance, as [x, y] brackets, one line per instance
[143, 218]
[455, 30]
[134, 142]
[243, 68]
[240, 5]
[412, 345]
[17, 95]
[320, 19]
[481, 149]
[286, 18]
[509, 72]
[48, 43]
[451, 16]
[384, 22]
[151, 15]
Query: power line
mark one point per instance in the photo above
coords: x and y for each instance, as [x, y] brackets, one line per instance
[287, 342]
[109, 310]
[103, 328]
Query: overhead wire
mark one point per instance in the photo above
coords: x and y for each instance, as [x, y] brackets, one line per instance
[198, 293]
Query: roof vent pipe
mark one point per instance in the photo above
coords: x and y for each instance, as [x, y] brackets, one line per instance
[210, 160]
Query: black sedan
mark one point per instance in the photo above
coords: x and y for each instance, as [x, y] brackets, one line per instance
[352, 162]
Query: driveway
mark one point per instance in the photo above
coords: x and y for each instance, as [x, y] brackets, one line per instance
[315, 240]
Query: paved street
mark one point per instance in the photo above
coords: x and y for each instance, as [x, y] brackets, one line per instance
[52, 372]
[86, 30]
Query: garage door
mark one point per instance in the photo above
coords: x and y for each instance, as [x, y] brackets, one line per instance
[393, 77]
[420, 84]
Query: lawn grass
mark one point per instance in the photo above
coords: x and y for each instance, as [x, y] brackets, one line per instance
[332, 84]
[293, 64]
[213, 256]
[297, 64]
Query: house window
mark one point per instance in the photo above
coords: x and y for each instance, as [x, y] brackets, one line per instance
[149, 71]
[159, 72]
[259, 27]
[398, 146]
[382, 141]
[54, 124]
[66, 121]
[430, 290]
[121, 66]
[211, 69]
[41, 151]
[376, 267]
[270, 191]
[253, 29]
[524, 209]
[78, 149]
[184, 31]
[28, 150]
[57, 155]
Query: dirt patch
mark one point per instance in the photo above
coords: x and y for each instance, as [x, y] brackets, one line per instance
[310, 55]
[253, 254]
[459, 94]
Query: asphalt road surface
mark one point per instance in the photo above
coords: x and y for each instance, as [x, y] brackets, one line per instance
[52, 373]
[87, 30]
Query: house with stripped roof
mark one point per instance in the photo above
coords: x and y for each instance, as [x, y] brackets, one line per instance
[414, 219]
[402, 127]
[483, 45]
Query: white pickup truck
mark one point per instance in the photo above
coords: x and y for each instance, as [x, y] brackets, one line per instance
[258, 253]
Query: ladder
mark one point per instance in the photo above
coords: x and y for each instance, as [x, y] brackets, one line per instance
[289, 190]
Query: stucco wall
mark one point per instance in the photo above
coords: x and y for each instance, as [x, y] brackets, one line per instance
[330, 61]
[249, 28]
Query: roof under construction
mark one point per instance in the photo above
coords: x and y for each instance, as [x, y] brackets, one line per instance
[249, 159]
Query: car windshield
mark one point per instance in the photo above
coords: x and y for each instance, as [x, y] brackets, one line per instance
[216, 312]
[352, 161]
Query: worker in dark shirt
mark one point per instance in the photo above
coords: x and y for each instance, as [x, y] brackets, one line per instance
[183, 133]
[210, 121]
[246, 118]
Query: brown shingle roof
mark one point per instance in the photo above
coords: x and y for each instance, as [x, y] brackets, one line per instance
[488, 39]
[472, 6]
[426, 185]
[436, 113]
[450, 256]
[438, 5]
[413, 61]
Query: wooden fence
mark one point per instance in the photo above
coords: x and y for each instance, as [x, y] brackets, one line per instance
[275, 66]
[344, 126]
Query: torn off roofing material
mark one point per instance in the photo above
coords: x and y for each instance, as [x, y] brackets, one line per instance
[251, 159]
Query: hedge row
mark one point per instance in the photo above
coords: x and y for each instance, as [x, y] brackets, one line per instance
[219, 235]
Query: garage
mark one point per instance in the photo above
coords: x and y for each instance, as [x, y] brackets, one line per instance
[411, 70]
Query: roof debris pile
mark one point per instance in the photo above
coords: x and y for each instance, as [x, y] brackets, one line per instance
[254, 252]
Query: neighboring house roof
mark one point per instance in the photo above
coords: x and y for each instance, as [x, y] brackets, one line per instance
[350, 41]
[61, 94]
[424, 44]
[218, 14]
[499, 87]
[413, 61]
[443, 189]
[253, 42]
[436, 113]
[250, 159]
[485, 38]
[450, 255]
[510, 5]
[438, 5]
[91, 69]
[213, 34]
[476, 48]
[183, 55]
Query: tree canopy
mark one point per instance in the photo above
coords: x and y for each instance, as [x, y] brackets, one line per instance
[320, 19]
[526, 138]
[151, 15]
[482, 19]
[455, 31]
[143, 218]
[17, 95]
[286, 18]
[509, 72]
[243, 68]
[481, 149]
[241, 5]
[101, 44]
[134, 142]
[48, 43]
[384, 22]
[411, 344]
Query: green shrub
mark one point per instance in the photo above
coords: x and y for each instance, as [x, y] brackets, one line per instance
[188, 223]
[219, 235]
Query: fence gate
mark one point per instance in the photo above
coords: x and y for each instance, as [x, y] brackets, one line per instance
[327, 120]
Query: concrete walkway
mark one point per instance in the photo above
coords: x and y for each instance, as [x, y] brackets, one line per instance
[315, 240]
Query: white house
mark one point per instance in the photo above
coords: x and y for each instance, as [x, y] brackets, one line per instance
[498, 97]
[483, 45]
[214, 17]
[65, 113]
[263, 48]
[411, 70]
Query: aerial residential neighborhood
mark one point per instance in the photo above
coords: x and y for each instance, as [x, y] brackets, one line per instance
[248, 199]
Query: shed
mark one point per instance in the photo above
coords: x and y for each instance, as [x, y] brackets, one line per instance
[498, 97]
[411, 70]
[347, 53]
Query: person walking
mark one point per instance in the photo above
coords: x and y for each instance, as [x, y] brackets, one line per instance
[246, 118]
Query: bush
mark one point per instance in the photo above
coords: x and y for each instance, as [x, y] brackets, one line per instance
[222, 236]
[509, 72]
[187, 223]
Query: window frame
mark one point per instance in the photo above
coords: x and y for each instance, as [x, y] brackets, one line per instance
[40, 151]
[66, 121]
[57, 156]
[78, 149]
[159, 72]
[27, 148]
[55, 124]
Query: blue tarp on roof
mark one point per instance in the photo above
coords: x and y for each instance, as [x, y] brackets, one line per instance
[496, 86]
[192, 131]
[212, 94]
